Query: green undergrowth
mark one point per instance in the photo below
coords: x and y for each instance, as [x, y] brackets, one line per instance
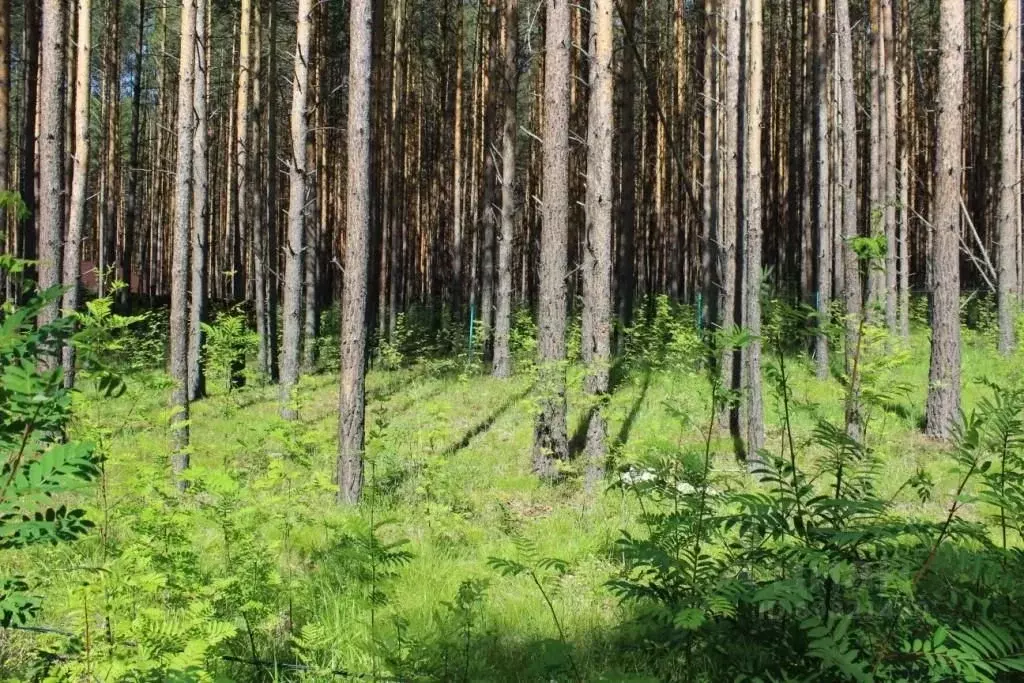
[459, 565]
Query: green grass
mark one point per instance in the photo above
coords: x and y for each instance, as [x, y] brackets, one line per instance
[449, 468]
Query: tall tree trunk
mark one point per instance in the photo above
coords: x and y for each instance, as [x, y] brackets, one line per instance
[822, 186]
[457, 175]
[943, 404]
[906, 129]
[352, 405]
[550, 440]
[396, 182]
[200, 216]
[1010, 175]
[487, 218]
[729, 290]
[711, 170]
[268, 345]
[180, 249]
[51, 166]
[5, 101]
[79, 178]
[503, 315]
[852, 296]
[258, 202]
[243, 136]
[134, 201]
[597, 254]
[876, 160]
[753, 237]
[627, 190]
[27, 247]
[293, 257]
[889, 191]
[111, 149]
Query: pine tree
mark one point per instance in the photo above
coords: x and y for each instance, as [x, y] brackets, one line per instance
[502, 366]
[1009, 184]
[550, 442]
[180, 248]
[76, 220]
[294, 253]
[352, 406]
[597, 255]
[943, 404]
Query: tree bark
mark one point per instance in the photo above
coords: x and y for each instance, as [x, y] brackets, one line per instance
[822, 187]
[906, 128]
[943, 403]
[51, 168]
[200, 216]
[753, 237]
[110, 180]
[852, 296]
[5, 100]
[597, 254]
[457, 175]
[134, 200]
[1009, 185]
[243, 136]
[27, 247]
[627, 189]
[268, 345]
[79, 181]
[889, 191]
[502, 366]
[180, 248]
[729, 285]
[550, 440]
[294, 251]
[352, 405]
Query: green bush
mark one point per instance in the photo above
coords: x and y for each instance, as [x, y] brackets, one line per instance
[39, 465]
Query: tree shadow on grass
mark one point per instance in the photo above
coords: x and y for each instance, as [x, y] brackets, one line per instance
[485, 424]
[622, 438]
[617, 376]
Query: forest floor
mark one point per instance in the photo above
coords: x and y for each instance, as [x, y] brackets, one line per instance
[449, 473]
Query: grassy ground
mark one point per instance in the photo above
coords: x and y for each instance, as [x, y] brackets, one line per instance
[449, 470]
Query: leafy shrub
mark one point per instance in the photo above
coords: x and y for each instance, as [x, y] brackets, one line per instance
[814, 573]
[228, 339]
[39, 466]
[665, 337]
[522, 339]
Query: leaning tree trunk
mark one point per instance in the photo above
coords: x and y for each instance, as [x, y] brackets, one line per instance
[50, 209]
[502, 366]
[597, 254]
[1009, 186]
[550, 440]
[352, 405]
[79, 179]
[200, 218]
[293, 257]
[943, 403]
[180, 247]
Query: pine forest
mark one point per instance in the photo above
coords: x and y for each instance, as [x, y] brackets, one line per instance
[511, 340]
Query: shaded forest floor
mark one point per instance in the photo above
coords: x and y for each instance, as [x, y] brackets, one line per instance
[404, 587]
